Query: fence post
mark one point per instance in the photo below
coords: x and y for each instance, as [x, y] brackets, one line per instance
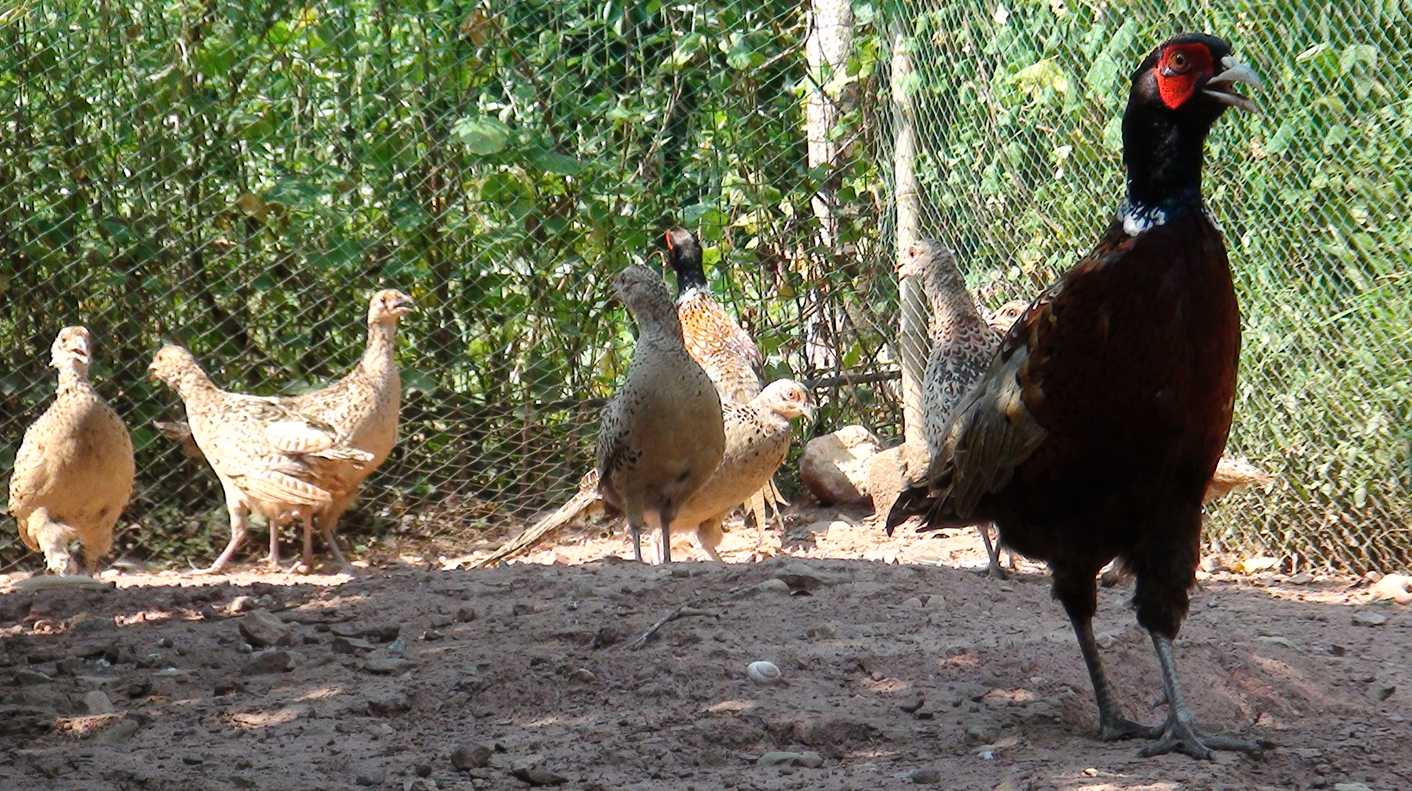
[912, 336]
[828, 43]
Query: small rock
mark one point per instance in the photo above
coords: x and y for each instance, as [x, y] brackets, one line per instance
[97, 702]
[981, 733]
[912, 705]
[1366, 618]
[384, 663]
[241, 604]
[821, 632]
[1381, 694]
[1302, 578]
[465, 615]
[808, 760]
[120, 732]
[263, 629]
[1283, 642]
[925, 777]
[1258, 564]
[271, 661]
[432, 635]
[1090, 772]
[389, 703]
[773, 585]
[26, 677]
[1352, 787]
[1393, 587]
[471, 756]
[763, 672]
[912, 603]
[348, 645]
[370, 774]
[584, 676]
[537, 776]
[834, 467]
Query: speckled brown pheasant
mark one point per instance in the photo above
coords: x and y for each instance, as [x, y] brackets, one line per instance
[662, 435]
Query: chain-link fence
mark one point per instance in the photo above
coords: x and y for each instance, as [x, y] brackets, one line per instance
[1016, 108]
[240, 176]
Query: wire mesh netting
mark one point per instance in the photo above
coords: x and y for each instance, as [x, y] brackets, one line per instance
[1017, 109]
[241, 177]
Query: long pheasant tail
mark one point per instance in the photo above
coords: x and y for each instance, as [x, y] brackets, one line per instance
[915, 500]
[525, 541]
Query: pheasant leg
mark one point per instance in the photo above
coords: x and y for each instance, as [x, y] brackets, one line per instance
[1180, 733]
[1112, 725]
[327, 532]
[991, 552]
[238, 529]
[273, 559]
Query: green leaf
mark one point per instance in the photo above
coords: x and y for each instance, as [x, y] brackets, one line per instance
[484, 136]
[554, 162]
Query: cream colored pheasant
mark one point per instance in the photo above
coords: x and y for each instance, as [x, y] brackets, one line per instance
[757, 441]
[725, 351]
[74, 470]
[271, 459]
[662, 435]
[362, 407]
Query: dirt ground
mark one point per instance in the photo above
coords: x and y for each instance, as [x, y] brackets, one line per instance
[900, 665]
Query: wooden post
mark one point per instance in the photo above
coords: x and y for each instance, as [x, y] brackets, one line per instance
[913, 340]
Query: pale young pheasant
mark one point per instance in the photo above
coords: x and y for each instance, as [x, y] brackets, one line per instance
[362, 408]
[962, 345]
[724, 349]
[74, 470]
[270, 458]
[757, 441]
[662, 435]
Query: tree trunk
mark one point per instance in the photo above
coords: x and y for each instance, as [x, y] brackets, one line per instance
[829, 40]
[912, 336]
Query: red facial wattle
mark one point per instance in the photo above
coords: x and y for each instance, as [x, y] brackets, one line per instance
[1179, 71]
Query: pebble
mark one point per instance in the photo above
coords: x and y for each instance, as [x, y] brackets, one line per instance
[388, 703]
[384, 664]
[821, 632]
[981, 733]
[271, 661]
[262, 629]
[537, 776]
[471, 756]
[1352, 787]
[24, 677]
[120, 732]
[912, 603]
[773, 585]
[241, 604]
[763, 672]
[97, 702]
[808, 760]
[1366, 618]
[370, 774]
[583, 676]
[925, 777]
[348, 645]
[465, 615]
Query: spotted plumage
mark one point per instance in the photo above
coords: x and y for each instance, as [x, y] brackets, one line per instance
[74, 469]
[962, 345]
[662, 435]
[271, 458]
[722, 347]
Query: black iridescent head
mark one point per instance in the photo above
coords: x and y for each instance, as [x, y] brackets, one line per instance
[1177, 93]
[684, 254]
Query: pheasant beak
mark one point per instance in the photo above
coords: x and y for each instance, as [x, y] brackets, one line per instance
[405, 304]
[80, 351]
[1222, 86]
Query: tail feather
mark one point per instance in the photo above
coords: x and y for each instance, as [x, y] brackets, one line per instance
[577, 505]
[914, 500]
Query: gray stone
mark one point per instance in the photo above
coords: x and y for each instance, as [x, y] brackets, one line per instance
[369, 774]
[97, 702]
[262, 629]
[834, 467]
[1367, 618]
[471, 756]
[808, 760]
[925, 776]
[383, 663]
[271, 661]
[388, 703]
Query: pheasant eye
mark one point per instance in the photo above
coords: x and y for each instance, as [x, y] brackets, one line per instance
[1177, 63]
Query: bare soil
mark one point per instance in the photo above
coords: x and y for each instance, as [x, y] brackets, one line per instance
[899, 663]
